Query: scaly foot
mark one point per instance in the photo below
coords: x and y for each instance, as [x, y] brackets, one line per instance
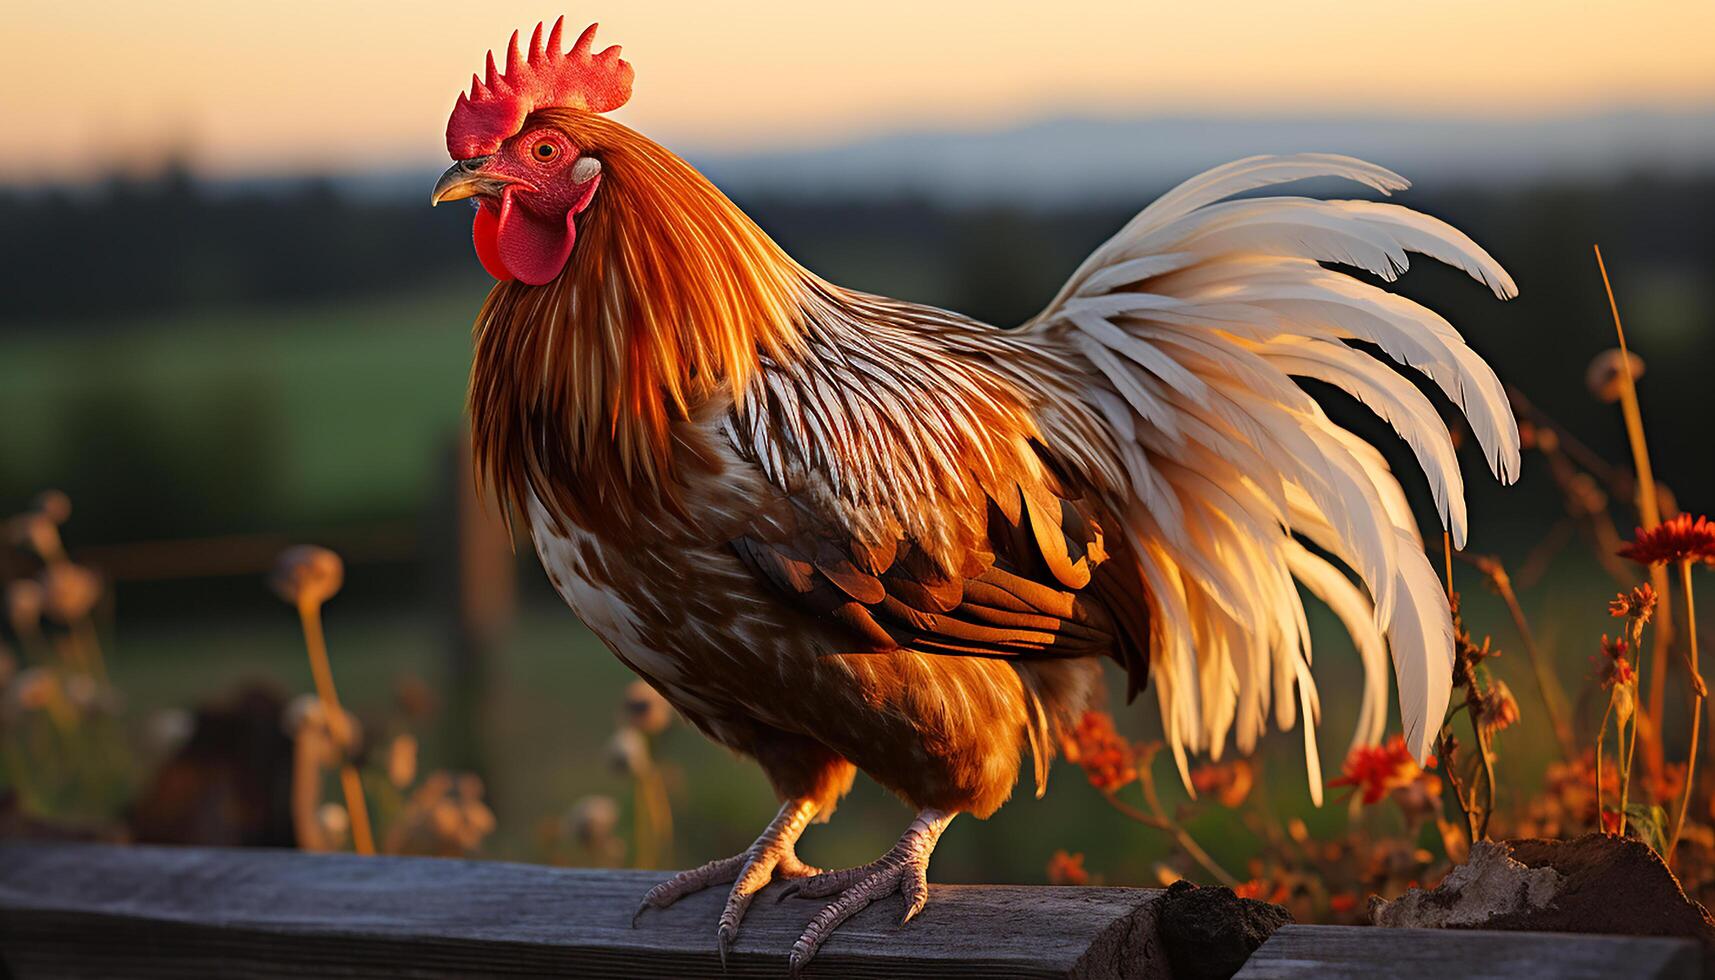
[904, 869]
[773, 855]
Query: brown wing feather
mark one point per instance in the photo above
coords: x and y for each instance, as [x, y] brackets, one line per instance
[1023, 590]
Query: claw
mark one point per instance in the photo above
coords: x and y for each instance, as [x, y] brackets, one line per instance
[915, 891]
[771, 857]
[902, 869]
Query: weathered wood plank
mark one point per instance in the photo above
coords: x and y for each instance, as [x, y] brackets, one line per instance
[1362, 953]
[97, 910]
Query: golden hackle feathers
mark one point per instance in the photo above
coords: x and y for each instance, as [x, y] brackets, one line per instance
[670, 293]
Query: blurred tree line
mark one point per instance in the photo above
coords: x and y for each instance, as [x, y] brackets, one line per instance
[134, 254]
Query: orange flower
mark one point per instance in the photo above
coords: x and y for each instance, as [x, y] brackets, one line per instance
[1275, 892]
[1678, 539]
[1067, 869]
[1107, 758]
[1229, 782]
[1638, 604]
[1378, 769]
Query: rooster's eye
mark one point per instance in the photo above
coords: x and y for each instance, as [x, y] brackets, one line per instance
[546, 151]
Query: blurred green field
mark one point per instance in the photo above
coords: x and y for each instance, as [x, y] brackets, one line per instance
[317, 411]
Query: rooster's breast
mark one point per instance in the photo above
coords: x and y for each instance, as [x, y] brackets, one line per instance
[682, 618]
[739, 663]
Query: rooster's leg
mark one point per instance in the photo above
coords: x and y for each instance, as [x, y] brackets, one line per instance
[773, 855]
[904, 869]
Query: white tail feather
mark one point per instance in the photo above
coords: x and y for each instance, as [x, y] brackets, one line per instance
[1193, 322]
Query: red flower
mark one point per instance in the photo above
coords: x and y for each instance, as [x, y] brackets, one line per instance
[1610, 821]
[1342, 903]
[1618, 668]
[1067, 869]
[1107, 758]
[1614, 649]
[1378, 769]
[1678, 539]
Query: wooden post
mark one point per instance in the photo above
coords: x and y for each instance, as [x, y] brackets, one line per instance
[476, 572]
[100, 910]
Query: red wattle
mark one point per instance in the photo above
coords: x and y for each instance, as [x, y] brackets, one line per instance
[485, 234]
[533, 248]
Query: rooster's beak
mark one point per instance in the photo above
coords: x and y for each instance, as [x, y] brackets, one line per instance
[466, 178]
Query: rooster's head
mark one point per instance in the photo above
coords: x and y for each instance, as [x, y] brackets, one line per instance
[522, 142]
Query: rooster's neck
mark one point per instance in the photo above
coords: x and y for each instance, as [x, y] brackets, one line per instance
[581, 388]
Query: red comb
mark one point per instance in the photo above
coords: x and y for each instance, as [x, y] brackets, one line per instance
[496, 105]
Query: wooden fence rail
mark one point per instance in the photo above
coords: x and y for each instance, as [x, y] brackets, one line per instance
[96, 910]
[90, 910]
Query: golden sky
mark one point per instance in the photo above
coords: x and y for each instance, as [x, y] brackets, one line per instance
[252, 86]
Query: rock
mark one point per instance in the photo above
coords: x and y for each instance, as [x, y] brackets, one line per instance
[1209, 933]
[1598, 883]
[1490, 884]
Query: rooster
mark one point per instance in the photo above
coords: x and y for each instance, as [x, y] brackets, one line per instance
[839, 531]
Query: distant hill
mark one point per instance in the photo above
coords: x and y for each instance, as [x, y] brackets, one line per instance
[1060, 161]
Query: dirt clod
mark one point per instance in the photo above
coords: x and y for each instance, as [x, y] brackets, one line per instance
[1209, 933]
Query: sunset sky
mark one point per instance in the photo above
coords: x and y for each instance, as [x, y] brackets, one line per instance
[251, 87]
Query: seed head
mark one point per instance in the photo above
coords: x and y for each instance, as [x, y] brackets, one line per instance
[54, 505]
[628, 752]
[24, 601]
[334, 821]
[69, 592]
[402, 761]
[307, 574]
[1499, 709]
[34, 688]
[591, 821]
[307, 710]
[645, 709]
[1606, 375]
